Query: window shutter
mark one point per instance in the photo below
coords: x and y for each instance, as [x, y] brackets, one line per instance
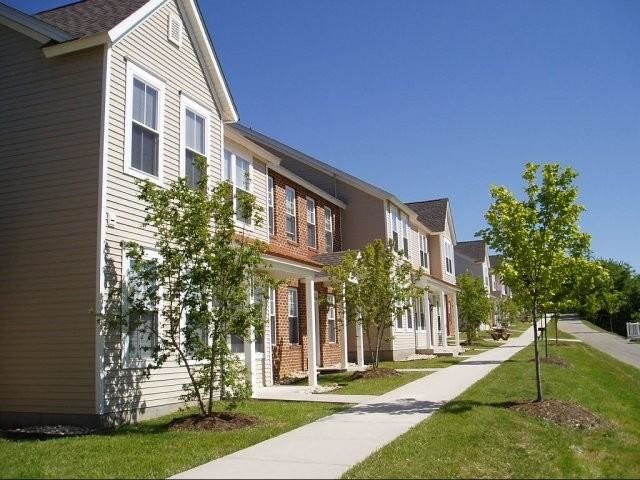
[175, 30]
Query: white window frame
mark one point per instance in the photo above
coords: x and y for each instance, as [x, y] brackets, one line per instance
[187, 104]
[294, 213]
[232, 178]
[134, 71]
[127, 361]
[311, 201]
[331, 317]
[328, 222]
[272, 310]
[271, 205]
[424, 252]
[293, 290]
[448, 254]
[404, 220]
[395, 233]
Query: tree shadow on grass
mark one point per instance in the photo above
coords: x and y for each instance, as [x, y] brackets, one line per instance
[462, 406]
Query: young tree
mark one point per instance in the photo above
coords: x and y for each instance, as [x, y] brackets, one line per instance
[377, 285]
[535, 235]
[202, 286]
[474, 306]
[510, 311]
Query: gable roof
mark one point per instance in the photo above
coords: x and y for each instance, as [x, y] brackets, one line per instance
[474, 249]
[88, 17]
[89, 23]
[433, 213]
[280, 148]
[495, 260]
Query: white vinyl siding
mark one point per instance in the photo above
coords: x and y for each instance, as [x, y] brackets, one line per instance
[291, 214]
[271, 206]
[331, 318]
[271, 311]
[328, 229]
[144, 124]
[193, 138]
[312, 232]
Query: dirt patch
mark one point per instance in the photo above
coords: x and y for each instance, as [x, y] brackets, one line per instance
[45, 432]
[559, 412]
[553, 360]
[220, 421]
[375, 373]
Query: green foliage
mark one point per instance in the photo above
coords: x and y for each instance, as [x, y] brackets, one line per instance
[537, 237]
[206, 282]
[509, 311]
[377, 285]
[474, 306]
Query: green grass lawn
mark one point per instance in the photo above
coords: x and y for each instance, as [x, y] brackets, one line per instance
[551, 332]
[474, 436]
[148, 449]
[368, 386]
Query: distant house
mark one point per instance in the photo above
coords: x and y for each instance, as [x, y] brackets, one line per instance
[473, 257]
[499, 291]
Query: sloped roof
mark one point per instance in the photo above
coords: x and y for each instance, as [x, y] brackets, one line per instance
[474, 249]
[88, 17]
[432, 213]
[495, 260]
[333, 258]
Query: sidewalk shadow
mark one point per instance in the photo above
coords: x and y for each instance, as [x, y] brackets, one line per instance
[403, 406]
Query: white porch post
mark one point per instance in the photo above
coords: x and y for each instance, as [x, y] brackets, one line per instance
[454, 312]
[345, 346]
[443, 319]
[360, 344]
[250, 356]
[310, 286]
[429, 325]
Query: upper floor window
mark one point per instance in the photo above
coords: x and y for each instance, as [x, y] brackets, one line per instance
[291, 213]
[394, 227]
[144, 119]
[311, 223]
[237, 171]
[331, 318]
[193, 138]
[271, 201]
[405, 235]
[424, 252]
[328, 229]
[448, 256]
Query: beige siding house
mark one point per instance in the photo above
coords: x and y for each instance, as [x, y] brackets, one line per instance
[106, 90]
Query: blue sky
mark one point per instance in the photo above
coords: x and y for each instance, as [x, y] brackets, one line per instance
[430, 99]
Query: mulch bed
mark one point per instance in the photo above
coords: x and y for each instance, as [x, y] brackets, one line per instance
[46, 432]
[559, 412]
[219, 421]
[375, 373]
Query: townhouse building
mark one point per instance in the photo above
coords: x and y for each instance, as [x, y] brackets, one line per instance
[499, 291]
[473, 257]
[372, 213]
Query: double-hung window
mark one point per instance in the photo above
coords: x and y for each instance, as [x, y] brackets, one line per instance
[140, 338]
[448, 256]
[400, 320]
[405, 235]
[328, 229]
[144, 120]
[331, 318]
[311, 223]
[291, 214]
[237, 171]
[271, 204]
[194, 139]
[294, 321]
[424, 256]
[409, 320]
[394, 227]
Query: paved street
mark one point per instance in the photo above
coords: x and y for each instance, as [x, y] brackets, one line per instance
[330, 446]
[614, 345]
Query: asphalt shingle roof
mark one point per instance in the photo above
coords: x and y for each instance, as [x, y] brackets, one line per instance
[432, 213]
[333, 258]
[474, 249]
[88, 17]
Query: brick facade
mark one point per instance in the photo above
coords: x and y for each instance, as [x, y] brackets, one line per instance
[291, 358]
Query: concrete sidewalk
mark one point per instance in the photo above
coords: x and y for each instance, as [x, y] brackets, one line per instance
[330, 446]
[302, 393]
[610, 343]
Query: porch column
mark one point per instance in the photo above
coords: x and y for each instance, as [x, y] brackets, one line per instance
[250, 356]
[360, 344]
[443, 319]
[310, 286]
[345, 346]
[454, 311]
[428, 324]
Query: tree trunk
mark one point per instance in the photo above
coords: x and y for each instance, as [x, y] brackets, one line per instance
[379, 338]
[556, 323]
[371, 348]
[546, 350]
[537, 356]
